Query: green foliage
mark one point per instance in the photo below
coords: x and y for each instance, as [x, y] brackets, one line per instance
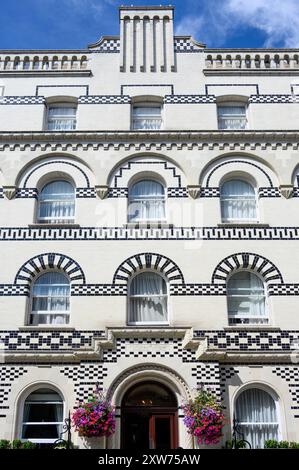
[273, 444]
[16, 444]
[4, 444]
[29, 445]
[205, 398]
[239, 444]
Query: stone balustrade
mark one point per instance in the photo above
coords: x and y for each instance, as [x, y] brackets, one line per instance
[45, 63]
[252, 60]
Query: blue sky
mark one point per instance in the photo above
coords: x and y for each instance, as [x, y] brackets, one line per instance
[73, 24]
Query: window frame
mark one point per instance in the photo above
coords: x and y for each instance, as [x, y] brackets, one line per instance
[39, 220]
[167, 295]
[230, 104]
[245, 179]
[65, 313]
[147, 104]
[61, 104]
[165, 198]
[265, 388]
[21, 408]
[266, 303]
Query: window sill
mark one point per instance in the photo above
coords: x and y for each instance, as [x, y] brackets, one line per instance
[46, 328]
[243, 224]
[58, 225]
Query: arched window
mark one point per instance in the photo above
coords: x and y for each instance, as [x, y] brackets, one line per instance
[50, 299]
[56, 203]
[246, 299]
[146, 202]
[148, 299]
[42, 416]
[238, 202]
[256, 413]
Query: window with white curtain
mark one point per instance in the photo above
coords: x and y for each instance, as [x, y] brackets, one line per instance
[238, 202]
[56, 203]
[246, 299]
[148, 299]
[61, 118]
[42, 416]
[256, 414]
[146, 117]
[146, 202]
[50, 300]
[232, 116]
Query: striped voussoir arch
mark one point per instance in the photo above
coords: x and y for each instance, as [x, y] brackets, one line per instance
[153, 261]
[256, 263]
[48, 261]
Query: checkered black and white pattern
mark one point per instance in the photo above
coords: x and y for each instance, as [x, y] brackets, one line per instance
[85, 192]
[209, 192]
[295, 192]
[118, 192]
[268, 99]
[251, 261]
[177, 192]
[197, 289]
[185, 44]
[111, 45]
[47, 261]
[250, 340]
[283, 289]
[189, 99]
[22, 100]
[208, 375]
[148, 348]
[8, 374]
[1, 193]
[269, 192]
[98, 289]
[291, 375]
[12, 290]
[85, 378]
[27, 193]
[153, 261]
[104, 99]
[49, 340]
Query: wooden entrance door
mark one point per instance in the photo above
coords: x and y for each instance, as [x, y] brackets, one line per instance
[163, 431]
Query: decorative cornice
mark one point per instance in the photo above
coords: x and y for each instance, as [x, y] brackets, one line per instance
[149, 140]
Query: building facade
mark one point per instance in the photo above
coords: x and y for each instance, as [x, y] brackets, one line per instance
[149, 234]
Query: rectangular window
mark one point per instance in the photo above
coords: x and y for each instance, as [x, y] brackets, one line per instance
[146, 117]
[232, 117]
[61, 118]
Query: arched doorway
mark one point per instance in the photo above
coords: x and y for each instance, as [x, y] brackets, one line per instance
[149, 415]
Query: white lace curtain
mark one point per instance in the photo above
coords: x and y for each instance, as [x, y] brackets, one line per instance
[146, 201]
[238, 201]
[257, 415]
[50, 299]
[57, 202]
[62, 118]
[246, 298]
[148, 299]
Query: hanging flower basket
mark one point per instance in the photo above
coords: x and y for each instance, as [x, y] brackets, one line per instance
[204, 418]
[95, 418]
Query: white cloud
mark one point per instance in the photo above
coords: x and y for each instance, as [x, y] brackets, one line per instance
[220, 19]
